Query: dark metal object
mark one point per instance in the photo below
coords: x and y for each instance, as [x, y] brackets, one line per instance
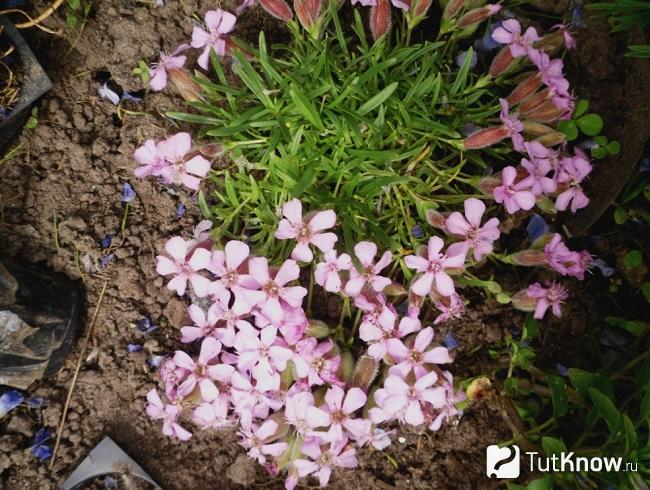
[40, 314]
[34, 84]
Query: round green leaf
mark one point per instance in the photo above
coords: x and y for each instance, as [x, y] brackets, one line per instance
[581, 108]
[590, 124]
[569, 129]
[614, 147]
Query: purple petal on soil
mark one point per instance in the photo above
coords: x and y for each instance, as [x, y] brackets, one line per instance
[604, 269]
[562, 369]
[135, 97]
[110, 483]
[155, 360]
[145, 325]
[536, 228]
[106, 242]
[106, 93]
[42, 451]
[180, 211]
[417, 231]
[104, 261]
[576, 14]
[43, 434]
[450, 342]
[486, 43]
[35, 402]
[9, 400]
[134, 347]
[459, 59]
[128, 194]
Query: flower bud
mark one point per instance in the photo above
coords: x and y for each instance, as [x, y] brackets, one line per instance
[528, 258]
[553, 139]
[364, 372]
[185, 85]
[278, 9]
[307, 12]
[211, 150]
[534, 101]
[536, 129]
[452, 8]
[346, 369]
[551, 43]
[545, 113]
[485, 137]
[318, 329]
[480, 389]
[487, 185]
[436, 219]
[476, 16]
[502, 62]
[394, 290]
[523, 302]
[420, 8]
[525, 88]
[380, 19]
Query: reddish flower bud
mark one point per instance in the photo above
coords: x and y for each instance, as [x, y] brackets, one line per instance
[485, 137]
[545, 113]
[477, 16]
[523, 302]
[307, 12]
[394, 289]
[452, 8]
[534, 101]
[364, 372]
[211, 150]
[487, 185]
[185, 85]
[436, 219]
[502, 62]
[278, 9]
[346, 369]
[551, 43]
[525, 89]
[380, 19]
[528, 258]
[421, 7]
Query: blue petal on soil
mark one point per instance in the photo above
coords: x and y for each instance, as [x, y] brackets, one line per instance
[35, 402]
[536, 228]
[104, 261]
[450, 342]
[9, 400]
[155, 360]
[145, 325]
[106, 242]
[41, 450]
[180, 211]
[110, 483]
[128, 194]
[604, 269]
[134, 347]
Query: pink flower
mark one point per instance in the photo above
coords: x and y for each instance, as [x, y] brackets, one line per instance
[254, 400]
[219, 23]
[416, 357]
[158, 71]
[327, 272]
[510, 33]
[574, 171]
[449, 409]
[477, 237]
[312, 363]
[538, 168]
[569, 40]
[552, 297]
[300, 412]
[369, 274]
[229, 265]
[558, 255]
[513, 196]
[512, 125]
[177, 170]
[340, 406]
[212, 415]
[338, 454]
[184, 268]
[378, 331]
[151, 160]
[433, 269]
[403, 401]
[306, 231]
[273, 290]
[156, 409]
[202, 372]
[551, 72]
[450, 307]
[262, 351]
[257, 441]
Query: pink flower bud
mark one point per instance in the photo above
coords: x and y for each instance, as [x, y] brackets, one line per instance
[380, 19]
[364, 372]
[485, 137]
[523, 302]
[436, 219]
[278, 9]
[534, 101]
[502, 62]
[452, 8]
[526, 88]
[185, 84]
[421, 7]
[478, 15]
[488, 184]
[529, 258]
[307, 12]
[545, 113]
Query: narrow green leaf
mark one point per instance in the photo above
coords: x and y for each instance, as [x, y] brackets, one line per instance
[377, 99]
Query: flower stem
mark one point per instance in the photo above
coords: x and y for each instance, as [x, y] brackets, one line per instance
[126, 213]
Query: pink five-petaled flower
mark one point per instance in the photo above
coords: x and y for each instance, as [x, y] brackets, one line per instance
[156, 409]
[306, 231]
[403, 401]
[229, 266]
[168, 62]
[262, 351]
[327, 272]
[338, 454]
[416, 357]
[369, 274]
[340, 406]
[538, 168]
[574, 171]
[510, 33]
[513, 125]
[450, 307]
[201, 371]
[378, 331]
[151, 160]
[300, 412]
[178, 170]
[273, 290]
[433, 268]
[219, 23]
[552, 297]
[256, 440]
[558, 256]
[184, 268]
[312, 363]
[513, 196]
[477, 237]
[212, 415]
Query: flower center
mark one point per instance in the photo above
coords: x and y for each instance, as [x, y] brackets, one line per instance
[272, 289]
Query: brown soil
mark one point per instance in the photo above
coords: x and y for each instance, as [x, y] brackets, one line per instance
[70, 171]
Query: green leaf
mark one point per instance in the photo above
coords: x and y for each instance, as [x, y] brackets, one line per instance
[631, 439]
[531, 328]
[461, 78]
[306, 108]
[581, 108]
[558, 395]
[378, 99]
[203, 205]
[553, 445]
[590, 124]
[620, 216]
[599, 152]
[569, 128]
[606, 409]
[645, 289]
[71, 21]
[613, 147]
[633, 259]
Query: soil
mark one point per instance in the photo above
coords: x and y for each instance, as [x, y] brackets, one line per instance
[61, 196]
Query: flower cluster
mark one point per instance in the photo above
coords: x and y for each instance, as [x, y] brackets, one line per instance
[299, 400]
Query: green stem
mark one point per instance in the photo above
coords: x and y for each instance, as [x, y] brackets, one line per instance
[126, 213]
[311, 291]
